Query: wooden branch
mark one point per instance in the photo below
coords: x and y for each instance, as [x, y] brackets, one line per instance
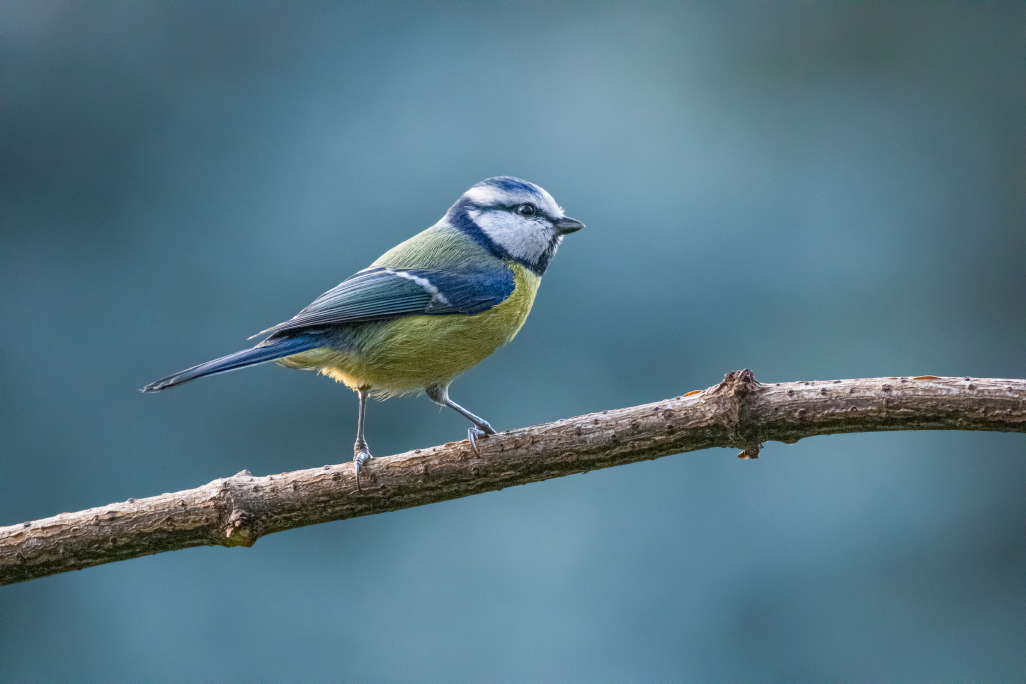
[739, 412]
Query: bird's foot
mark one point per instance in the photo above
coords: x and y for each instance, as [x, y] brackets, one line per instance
[362, 456]
[482, 431]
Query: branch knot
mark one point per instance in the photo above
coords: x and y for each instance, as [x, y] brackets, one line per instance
[736, 387]
[238, 531]
[236, 528]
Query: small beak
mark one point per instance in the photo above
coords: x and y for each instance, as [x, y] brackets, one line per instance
[568, 225]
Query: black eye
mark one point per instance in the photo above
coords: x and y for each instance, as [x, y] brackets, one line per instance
[527, 209]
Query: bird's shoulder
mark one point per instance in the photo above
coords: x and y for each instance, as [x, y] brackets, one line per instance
[432, 273]
[439, 248]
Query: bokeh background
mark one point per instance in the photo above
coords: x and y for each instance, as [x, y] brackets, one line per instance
[813, 192]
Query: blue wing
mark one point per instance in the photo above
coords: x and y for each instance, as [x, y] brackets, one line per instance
[384, 293]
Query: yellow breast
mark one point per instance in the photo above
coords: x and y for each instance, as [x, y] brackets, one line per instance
[405, 355]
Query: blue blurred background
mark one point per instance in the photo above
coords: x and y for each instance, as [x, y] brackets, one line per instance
[813, 192]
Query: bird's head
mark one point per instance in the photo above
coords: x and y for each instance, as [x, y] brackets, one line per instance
[513, 219]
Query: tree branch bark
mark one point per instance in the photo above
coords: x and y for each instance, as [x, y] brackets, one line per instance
[738, 412]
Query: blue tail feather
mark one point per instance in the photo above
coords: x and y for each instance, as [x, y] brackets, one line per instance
[241, 359]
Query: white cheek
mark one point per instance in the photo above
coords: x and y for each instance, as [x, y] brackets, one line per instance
[523, 239]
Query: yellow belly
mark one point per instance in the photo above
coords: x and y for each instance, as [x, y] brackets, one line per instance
[408, 354]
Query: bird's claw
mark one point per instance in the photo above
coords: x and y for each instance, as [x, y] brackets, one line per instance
[361, 457]
[481, 431]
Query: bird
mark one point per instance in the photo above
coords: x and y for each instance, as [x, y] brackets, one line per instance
[426, 310]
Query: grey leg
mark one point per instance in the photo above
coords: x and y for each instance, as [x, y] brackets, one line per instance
[362, 453]
[440, 395]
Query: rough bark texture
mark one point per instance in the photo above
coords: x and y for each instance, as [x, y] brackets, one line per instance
[739, 412]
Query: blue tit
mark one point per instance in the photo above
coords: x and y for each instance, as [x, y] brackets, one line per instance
[426, 310]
